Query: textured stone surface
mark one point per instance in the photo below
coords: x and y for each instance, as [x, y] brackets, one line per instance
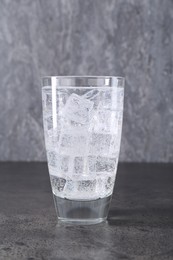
[139, 226]
[61, 37]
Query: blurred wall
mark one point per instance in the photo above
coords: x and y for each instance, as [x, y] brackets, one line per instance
[97, 37]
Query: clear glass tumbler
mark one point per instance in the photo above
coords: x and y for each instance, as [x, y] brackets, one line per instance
[82, 125]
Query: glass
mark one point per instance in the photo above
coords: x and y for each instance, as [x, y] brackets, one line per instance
[82, 125]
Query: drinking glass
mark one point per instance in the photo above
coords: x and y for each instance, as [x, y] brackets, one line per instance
[82, 118]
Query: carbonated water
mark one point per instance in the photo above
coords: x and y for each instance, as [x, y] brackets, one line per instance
[82, 148]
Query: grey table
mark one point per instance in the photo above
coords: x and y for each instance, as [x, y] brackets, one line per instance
[140, 223]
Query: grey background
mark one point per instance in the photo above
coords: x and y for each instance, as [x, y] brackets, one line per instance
[68, 37]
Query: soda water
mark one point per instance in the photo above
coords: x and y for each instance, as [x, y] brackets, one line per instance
[82, 134]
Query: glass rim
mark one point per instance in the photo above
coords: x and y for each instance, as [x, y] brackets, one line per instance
[83, 81]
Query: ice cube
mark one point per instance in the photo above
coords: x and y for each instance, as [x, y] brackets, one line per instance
[60, 122]
[59, 97]
[87, 185]
[57, 184]
[69, 189]
[109, 183]
[112, 99]
[103, 145]
[105, 186]
[102, 164]
[52, 138]
[63, 163]
[80, 189]
[48, 122]
[47, 101]
[78, 109]
[91, 94]
[108, 100]
[73, 143]
[52, 158]
[58, 162]
[78, 165]
[70, 186]
[91, 164]
[104, 121]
